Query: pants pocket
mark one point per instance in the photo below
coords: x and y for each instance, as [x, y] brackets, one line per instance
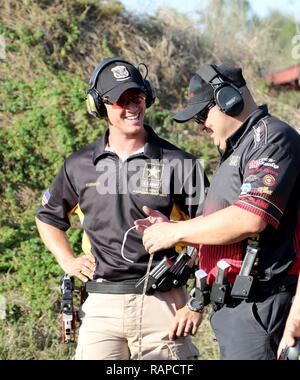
[173, 350]
[257, 319]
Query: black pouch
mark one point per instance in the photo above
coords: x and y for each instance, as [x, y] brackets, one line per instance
[242, 287]
[218, 295]
[156, 276]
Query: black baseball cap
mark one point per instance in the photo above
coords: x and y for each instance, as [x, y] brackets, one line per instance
[201, 94]
[118, 77]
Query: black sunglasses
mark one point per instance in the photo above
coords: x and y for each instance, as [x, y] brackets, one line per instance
[123, 101]
[201, 116]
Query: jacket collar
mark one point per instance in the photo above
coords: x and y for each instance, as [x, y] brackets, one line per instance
[238, 136]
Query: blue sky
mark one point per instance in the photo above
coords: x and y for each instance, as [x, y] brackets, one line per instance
[260, 7]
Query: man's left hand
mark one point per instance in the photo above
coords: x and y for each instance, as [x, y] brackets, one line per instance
[292, 328]
[154, 216]
[186, 322]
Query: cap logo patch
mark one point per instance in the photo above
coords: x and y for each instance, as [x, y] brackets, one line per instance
[120, 72]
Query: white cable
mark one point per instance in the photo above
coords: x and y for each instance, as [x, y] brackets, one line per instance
[124, 240]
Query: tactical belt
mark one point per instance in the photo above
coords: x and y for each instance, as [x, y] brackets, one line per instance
[277, 284]
[263, 289]
[113, 287]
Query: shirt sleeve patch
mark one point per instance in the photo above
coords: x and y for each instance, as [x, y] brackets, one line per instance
[46, 197]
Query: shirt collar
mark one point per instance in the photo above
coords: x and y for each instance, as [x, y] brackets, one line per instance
[99, 150]
[152, 148]
[109, 149]
[236, 138]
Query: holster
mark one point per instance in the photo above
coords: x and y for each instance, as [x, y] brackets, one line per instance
[167, 274]
[242, 287]
[219, 294]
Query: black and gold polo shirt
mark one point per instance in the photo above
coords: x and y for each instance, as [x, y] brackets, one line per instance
[108, 195]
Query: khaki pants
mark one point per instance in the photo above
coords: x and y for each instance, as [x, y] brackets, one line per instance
[110, 327]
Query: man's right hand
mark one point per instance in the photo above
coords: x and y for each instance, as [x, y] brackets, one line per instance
[154, 216]
[82, 267]
[186, 322]
[56, 240]
[292, 327]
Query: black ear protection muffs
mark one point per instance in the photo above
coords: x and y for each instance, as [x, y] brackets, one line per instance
[94, 101]
[227, 96]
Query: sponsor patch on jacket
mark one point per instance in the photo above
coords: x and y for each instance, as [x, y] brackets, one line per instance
[262, 170]
[260, 133]
[263, 162]
[251, 178]
[233, 160]
[268, 180]
[46, 197]
[246, 188]
[257, 134]
[262, 190]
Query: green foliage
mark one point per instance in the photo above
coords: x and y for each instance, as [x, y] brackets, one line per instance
[283, 30]
[29, 36]
[111, 8]
[30, 339]
[53, 116]
[7, 32]
[105, 47]
[48, 121]
[70, 34]
[290, 97]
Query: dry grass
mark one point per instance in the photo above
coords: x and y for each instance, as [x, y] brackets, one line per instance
[205, 340]
[286, 112]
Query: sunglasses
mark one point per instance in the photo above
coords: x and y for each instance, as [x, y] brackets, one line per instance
[201, 117]
[124, 101]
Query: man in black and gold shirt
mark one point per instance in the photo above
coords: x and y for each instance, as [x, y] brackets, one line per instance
[107, 184]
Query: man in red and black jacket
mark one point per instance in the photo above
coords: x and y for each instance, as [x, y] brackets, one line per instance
[253, 200]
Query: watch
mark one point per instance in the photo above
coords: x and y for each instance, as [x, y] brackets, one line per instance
[196, 301]
[194, 305]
